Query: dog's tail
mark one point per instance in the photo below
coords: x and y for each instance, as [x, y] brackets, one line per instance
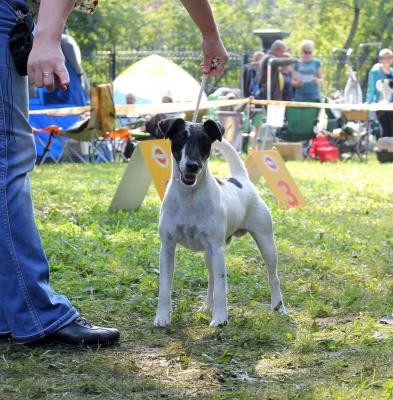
[236, 164]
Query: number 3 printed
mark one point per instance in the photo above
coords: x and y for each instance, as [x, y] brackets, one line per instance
[292, 201]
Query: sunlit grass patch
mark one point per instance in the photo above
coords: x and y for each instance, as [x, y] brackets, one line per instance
[335, 265]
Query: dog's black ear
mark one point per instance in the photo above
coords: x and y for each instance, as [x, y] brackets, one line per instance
[214, 129]
[171, 125]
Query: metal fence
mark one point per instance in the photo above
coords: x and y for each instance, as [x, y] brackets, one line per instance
[104, 66]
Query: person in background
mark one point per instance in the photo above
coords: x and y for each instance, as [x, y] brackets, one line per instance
[274, 57]
[286, 71]
[251, 75]
[307, 75]
[30, 309]
[379, 72]
[130, 98]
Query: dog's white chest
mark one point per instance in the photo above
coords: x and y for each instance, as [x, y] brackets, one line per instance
[191, 236]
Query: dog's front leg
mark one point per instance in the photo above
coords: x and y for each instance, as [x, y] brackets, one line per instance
[220, 312]
[208, 305]
[167, 267]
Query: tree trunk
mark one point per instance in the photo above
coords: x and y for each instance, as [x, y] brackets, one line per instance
[348, 43]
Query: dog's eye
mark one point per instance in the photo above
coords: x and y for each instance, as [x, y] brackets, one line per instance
[204, 140]
[182, 136]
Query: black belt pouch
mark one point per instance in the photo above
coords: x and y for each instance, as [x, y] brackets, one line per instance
[21, 36]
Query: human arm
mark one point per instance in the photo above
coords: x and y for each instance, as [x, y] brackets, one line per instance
[371, 87]
[282, 61]
[295, 81]
[318, 79]
[201, 13]
[46, 65]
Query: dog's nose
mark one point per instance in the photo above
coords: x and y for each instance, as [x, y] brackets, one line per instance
[192, 166]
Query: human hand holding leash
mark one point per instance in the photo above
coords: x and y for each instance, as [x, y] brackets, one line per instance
[201, 13]
[213, 49]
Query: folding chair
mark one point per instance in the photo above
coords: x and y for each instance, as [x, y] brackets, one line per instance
[119, 139]
[68, 149]
[299, 124]
[53, 132]
[360, 145]
[93, 128]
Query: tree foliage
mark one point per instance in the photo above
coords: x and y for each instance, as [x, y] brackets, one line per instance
[165, 25]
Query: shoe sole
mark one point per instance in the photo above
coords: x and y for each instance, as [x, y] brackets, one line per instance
[81, 345]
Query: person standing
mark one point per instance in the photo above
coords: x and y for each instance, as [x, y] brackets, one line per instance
[30, 310]
[379, 72]
[307, 75]
[275, 59]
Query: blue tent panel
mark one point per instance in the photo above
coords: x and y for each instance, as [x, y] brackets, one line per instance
[43, 99]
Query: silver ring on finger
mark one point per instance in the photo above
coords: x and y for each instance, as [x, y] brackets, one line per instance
[46, 74]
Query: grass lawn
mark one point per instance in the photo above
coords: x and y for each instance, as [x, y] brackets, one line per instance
[336, 268]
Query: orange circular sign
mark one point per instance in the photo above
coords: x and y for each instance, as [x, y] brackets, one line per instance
[160, 156]
[270, 162]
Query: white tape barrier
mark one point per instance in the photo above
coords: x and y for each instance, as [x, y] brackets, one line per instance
[144, 109]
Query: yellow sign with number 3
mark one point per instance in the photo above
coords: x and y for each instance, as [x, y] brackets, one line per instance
[271, 165]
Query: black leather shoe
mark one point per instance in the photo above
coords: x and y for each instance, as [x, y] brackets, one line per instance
[81, 332]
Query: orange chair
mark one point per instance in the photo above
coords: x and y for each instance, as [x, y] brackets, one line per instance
[54, 131]
[119, 139]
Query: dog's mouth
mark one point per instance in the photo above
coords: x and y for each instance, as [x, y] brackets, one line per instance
[189, 179]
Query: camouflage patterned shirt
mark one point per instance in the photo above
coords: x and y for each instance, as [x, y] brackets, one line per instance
[86, 6]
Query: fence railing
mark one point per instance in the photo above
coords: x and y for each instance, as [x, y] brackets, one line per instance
[104, 66]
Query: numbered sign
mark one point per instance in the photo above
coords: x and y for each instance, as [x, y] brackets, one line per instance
[151, 160]
[270, 165]
[158, 157]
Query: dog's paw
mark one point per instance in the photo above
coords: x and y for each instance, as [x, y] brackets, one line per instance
[219, 320]
[280, 308]
[162, 321]
[206, 308]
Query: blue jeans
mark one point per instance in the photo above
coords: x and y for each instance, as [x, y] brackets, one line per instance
[29, 307]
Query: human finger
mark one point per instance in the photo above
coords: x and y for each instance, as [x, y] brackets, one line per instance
[62, 77]
[38, 78]
[48, 80]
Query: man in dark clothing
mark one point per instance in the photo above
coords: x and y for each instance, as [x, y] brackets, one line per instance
[276, 58]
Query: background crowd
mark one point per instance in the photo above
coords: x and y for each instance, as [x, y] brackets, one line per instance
[300, 79]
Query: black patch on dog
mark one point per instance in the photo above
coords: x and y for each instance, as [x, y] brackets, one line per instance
[219, 181]
[235, 182]
[151, 126]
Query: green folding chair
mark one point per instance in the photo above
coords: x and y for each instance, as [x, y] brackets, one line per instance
[299, 124]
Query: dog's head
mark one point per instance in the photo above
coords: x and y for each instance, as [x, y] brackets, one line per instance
[191, 144]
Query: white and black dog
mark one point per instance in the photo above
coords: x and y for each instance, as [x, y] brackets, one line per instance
[203, 213]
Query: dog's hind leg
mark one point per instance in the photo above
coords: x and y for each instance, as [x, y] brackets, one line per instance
[261, 230]
[208, 305]
[268, 250]
[167, 267]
